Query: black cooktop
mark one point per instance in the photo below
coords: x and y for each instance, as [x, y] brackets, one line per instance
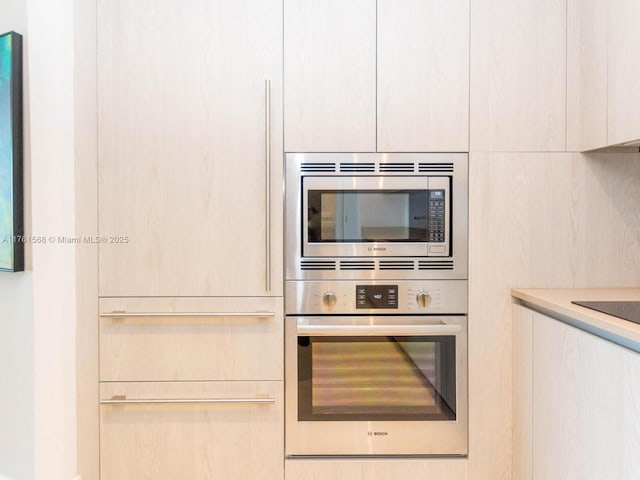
[625, 310]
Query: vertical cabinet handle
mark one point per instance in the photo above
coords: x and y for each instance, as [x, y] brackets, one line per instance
[267, 187]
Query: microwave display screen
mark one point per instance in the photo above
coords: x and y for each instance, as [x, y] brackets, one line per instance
[368, 215]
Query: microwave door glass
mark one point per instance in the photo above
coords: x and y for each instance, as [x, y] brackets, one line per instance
[357, 216]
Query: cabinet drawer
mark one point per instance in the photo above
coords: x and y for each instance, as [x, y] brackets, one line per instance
[192, 430]
[174, 339]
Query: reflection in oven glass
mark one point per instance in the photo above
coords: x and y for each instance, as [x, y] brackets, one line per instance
[390, 376]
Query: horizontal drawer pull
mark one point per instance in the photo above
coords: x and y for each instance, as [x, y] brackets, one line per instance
[188, 314]
[155, 401]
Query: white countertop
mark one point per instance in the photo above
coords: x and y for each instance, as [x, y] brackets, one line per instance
[556, 302]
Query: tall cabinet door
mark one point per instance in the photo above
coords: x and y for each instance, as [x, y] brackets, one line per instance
[330, 75]
[190, 147]
[423, 75]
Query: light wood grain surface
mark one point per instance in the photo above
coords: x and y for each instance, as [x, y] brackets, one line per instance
[182, 158]
[624, 71]
[173, 348]
[537, 220]
[585, 405]
[423, 76]
[518, 75]
[586, 74]
[522, 393]
[330, 76]
[239, 441]
[376, 469]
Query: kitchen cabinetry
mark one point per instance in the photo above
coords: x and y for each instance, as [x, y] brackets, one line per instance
[624, 72]
[586, 74]
[423, 76]
[518, 75]
[603, 75]
[377, 469]
[386, 76]
[180, 339]
[576, 402]
[190, 148]
[330, 76]
[193, 430]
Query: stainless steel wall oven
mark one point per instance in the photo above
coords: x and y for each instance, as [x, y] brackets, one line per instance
[376, 303]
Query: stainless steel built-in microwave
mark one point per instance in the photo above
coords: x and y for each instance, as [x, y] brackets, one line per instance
[392, 215]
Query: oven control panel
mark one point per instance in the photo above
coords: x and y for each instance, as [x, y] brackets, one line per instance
[369, 297]
[376, 296]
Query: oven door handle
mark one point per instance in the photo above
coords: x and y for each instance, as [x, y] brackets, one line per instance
[377, 330]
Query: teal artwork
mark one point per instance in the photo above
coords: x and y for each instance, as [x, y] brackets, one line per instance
[11, 214]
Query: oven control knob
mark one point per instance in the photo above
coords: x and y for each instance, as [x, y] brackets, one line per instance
[329, 299]
[423, 299]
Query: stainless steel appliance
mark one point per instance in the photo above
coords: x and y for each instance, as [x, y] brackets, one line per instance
[368, 383]
[376, 304]
[352, 216]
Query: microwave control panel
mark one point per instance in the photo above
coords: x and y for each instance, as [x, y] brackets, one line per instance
[376, 296]
[436, 216]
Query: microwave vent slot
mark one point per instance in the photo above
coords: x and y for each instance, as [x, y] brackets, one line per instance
[396, 265]
[357, 265]
[317, 167]
[317, 265]
[435, 167]
[357, 167]
[396, 167]
[435, 265]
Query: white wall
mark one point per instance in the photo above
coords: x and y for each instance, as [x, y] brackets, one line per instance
[16, 329]
[51, 87]
[37, 307]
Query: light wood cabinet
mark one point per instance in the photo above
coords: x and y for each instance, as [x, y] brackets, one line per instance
[423, 76]
[623, 71]
[603, 97]
[330, 75]
[190, 148]
[518, 75]
[522, 382]
[386, 76]
[194, 430]
[584, 403]
[586, 74]
[377, 469]
[187, 339]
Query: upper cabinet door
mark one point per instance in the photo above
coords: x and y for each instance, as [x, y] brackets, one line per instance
[624, 71]
[518, 75]
[189, 197]
[423, 75]
[330, 75]
[586, 74]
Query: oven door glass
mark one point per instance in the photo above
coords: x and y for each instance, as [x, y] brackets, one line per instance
[351, 378]
[364, 216]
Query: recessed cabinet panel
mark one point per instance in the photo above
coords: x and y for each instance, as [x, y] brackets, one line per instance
[423, 75]
[624, 71]
[189, 204]
[192, 430]
[184, 339]
[330, 75]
